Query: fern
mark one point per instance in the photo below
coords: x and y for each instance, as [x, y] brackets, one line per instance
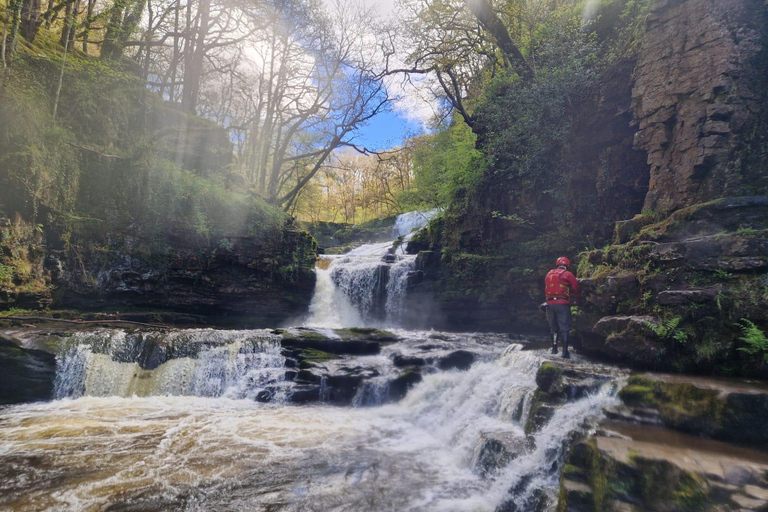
[668, 329]
[754, 338]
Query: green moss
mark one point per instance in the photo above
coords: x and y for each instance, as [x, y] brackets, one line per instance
[13, 353]
[362, 333]
[548, 377]
[312, 355]
[663, 485]
[598, 477]
[682, 406]
[636, 394]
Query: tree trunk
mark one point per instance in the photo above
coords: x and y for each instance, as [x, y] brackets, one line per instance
[488, 19]
[87, 24]
[193, 69]
[111, 48]
[15, 13]
[30, 19]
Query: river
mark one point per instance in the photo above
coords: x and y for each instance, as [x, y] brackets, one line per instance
[215, 430]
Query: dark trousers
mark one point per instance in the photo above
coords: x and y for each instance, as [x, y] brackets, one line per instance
[559, 318]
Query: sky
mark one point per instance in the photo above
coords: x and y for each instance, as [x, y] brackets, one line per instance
[387, 130]
[410, 114]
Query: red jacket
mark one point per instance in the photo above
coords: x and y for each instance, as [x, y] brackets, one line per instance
[561, 287]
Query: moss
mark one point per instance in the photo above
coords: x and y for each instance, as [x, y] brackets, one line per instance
[570, 469]
[360, 333]
[662, 484]
[305, 335]
[598, 480]
[548, 377]
[636, 394]
[682, 406]
[314, 356]
[540, 413]
[13, 353]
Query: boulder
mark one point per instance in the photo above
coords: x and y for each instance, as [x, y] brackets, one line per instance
[25, 375]
[733, 411]
[497, 449]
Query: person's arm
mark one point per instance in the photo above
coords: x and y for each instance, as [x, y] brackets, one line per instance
[573, 283]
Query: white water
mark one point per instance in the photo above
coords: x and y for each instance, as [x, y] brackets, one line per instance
[176, 453]
[190, 434]
[355, 278]
[232, 364]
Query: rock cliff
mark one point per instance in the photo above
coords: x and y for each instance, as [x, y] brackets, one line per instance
[698, 100]
[255, 281]
[664, 135]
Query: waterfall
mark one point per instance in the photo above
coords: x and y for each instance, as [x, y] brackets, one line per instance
[207, 363]
[171, 447]
[372, 277]
[407, 222]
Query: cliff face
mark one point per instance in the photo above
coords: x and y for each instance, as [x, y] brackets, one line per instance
[683, 125]
[236, 281]
[246, 280]
[697, 100]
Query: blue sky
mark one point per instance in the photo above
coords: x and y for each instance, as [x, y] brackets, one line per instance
[387, 130]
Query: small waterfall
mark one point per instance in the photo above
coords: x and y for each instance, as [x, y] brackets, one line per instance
[367, 286]
[203, 363]
[407, 222]
[493, 399]
[372, 393]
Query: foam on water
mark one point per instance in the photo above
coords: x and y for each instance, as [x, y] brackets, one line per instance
[348, 289]
[187, 453]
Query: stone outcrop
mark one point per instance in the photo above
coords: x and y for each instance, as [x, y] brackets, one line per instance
[659, 450]
[244, 281]
[697, 98]
[26, 375]
[672, 296]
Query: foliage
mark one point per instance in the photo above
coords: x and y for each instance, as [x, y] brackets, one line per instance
[754, 338]
[444, 164]
[669, 329]
[631, 27]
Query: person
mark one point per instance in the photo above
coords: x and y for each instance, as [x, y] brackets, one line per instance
[562, 290]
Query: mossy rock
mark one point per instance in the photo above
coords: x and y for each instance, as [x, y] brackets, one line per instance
[549, 377]
[367, 333]
[350, 341]
[726, 412]
[595, 481]
[540, 413]
[310, 357]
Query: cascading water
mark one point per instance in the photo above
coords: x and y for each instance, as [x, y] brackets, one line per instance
[198, 420]
[372, 277]
[156, 450]
[233, 364]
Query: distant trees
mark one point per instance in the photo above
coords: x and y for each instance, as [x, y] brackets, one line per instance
[353, 188]
[291, 81]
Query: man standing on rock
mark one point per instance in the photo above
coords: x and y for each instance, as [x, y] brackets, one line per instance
[562, 289]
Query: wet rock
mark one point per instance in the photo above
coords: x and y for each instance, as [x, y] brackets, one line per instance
[729, 411]
[305, 394]
[349, 341]
[400, 386]
[652, 468]
[496, 450]
[689, 296]
[239, 281]
[25, 375]
[626, 338]
[557, 384]
[458, 360]
[403, 361]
